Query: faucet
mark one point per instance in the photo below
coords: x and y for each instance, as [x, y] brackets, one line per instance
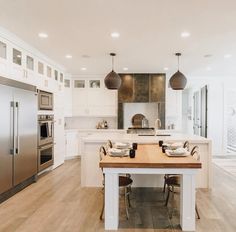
[157, 125]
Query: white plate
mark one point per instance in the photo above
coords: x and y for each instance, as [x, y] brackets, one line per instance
[117, 152]
[170, 153]
[122, 145]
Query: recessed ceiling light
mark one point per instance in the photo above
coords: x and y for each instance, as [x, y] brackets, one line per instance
[208, 55]
[43, 35]
[125, 69]
[83, 69]
[166, 68]
[208, 68]
[227, 56]
[19, 56]
[85, 56]
[68, 56]
[115, 35]
[185, 34]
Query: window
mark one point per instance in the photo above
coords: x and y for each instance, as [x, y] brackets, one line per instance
[49, 71]
[67, 83]
[3, 50]
[61, 77]
[17, 56]
[56, 74]
[30, 62]
[40, 68]
[79, 84]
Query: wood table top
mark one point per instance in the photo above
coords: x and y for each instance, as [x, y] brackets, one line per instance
[149, 156]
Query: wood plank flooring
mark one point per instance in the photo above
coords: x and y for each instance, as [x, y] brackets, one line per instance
[227, 163]
[57, 202]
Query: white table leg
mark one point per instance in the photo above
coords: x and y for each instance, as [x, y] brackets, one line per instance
[111, 201]
[187, 202]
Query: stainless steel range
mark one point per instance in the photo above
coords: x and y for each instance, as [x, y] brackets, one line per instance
[45, 141]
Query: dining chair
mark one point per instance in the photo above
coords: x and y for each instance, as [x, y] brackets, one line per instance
[186, 146]
[173, 181]
[125, 183]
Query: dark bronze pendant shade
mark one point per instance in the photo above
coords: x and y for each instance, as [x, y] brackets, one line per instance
[178, 81]
[112, 80]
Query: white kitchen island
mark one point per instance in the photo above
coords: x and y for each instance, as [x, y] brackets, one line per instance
[91, 174]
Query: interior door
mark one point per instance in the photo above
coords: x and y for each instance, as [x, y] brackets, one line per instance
[203, 131]
[25, 161]
[6, 138]
[196, 113]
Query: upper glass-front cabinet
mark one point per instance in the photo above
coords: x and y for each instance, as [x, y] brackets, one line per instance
[49, 71]
[29, 62]
[56, 74]
[40, 68]
[17, 56]
[67, 83]
[61, 77]
[3, 50]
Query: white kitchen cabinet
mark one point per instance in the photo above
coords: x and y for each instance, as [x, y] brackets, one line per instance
[72, 144]
[94, 102]
[4, 63]
[68, 97]
[174, 108]
[59, 138]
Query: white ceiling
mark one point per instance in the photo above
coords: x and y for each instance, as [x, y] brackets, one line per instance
[149, 33]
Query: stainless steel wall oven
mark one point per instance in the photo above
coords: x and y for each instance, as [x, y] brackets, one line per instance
[45, 141]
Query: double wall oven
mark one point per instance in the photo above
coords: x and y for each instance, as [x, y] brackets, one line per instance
[45, 141]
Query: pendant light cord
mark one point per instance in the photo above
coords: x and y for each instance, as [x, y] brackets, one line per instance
[112, 63]
[178, 63]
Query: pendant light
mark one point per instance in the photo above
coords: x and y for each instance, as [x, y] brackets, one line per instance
[178, 81]
[112, 80]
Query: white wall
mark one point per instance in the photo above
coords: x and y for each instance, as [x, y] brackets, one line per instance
[149, 110]
[216, 117]
[89, 122]
[215, 114]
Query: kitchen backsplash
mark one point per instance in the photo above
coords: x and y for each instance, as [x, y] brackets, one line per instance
[89, 122]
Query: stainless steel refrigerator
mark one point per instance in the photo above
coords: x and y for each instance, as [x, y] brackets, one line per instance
[18, 134]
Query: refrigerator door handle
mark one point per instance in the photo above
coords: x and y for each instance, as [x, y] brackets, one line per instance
[17, 128]
[12, 126]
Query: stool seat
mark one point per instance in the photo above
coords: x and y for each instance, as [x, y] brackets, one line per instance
[125, 181]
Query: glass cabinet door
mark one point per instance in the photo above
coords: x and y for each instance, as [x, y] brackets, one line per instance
[3, 50]
[30, 63]
[40, 68]
[17, 56]
[49, 71]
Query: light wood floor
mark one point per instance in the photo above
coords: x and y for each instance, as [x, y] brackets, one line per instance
[58, 203]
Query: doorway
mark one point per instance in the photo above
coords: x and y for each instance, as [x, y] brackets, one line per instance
[200, 112]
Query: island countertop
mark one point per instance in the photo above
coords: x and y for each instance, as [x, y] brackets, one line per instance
[91, 174]
[162, 135]
[149, 156]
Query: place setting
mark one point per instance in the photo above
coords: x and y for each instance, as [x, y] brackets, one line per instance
[123, 149]
[176, 149]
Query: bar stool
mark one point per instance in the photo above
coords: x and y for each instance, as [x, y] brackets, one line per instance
[186, 146]
[174, 180]
[125, 183]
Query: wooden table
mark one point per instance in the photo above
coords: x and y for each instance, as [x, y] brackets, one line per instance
[149, 159]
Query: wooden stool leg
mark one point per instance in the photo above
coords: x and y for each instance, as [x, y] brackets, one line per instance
[168, 195]
[164, 187]
[126, 204]
[198, 215]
